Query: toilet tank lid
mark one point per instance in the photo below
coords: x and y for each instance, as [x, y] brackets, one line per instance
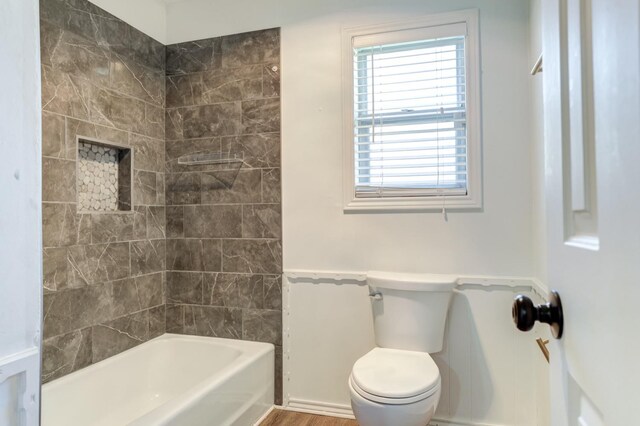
[411, 282]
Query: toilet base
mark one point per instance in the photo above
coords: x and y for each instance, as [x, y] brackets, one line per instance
[370, 413]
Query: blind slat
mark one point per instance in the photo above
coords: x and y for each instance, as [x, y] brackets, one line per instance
[383, 84]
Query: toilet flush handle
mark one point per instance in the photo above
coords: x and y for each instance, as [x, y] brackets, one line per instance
[375, 295]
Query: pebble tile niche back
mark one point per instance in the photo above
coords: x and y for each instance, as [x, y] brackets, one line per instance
[104, 177]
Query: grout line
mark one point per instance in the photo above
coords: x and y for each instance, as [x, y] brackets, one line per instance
[103, 125]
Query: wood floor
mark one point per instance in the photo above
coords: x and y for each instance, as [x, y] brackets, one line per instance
[293, 418]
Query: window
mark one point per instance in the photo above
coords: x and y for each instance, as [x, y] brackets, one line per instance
[412, 128]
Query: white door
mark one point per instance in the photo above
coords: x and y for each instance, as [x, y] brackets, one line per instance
[592, 166]
[20, 229]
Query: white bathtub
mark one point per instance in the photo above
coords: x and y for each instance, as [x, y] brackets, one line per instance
[171, 380]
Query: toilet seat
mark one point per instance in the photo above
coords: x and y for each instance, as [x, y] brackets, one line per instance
[392, 376]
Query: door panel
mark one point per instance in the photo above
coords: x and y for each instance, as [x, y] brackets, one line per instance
[20, 221]
[592, 189]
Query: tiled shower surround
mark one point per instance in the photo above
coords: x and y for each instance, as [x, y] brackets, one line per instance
[224, 254]
[200, 253]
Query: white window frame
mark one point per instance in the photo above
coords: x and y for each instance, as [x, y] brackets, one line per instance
[473, 198]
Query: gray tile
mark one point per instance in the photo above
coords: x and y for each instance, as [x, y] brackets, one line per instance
[65, 94]
[92, 22]
[153, 124]
[156, 222]
[54, 268]
[114, 109]
[136, 80]
[53, 137]
[251, 48]
[213, 321]
[252, 256]
[147, 257]
[93, 264]
[175, 221]
[185, 255]
[271, 80]
[183, 188]
[184, 287]
[213, 120]
[262, 325]
[271, 186]
[84, 130]
[261, 115]
[193, 56]
[261, 221]
[273, 292]
[145, 190]
[148, 153]
[110, 227]
[223, 221]
[157, 321]
[231, 186]
[63, 227]
[231, 85]
[114, 337]
[58, 180]
[212, 255]
[174, 316]
[140, 222]
[174, 123]
[147, 51]
[184, 90]
[52, 11]
[65, 354]
[150, 290]
[77, 308]
[74, 55]
[161, 190]
[259, 151]
[124, 295]
[234, 290]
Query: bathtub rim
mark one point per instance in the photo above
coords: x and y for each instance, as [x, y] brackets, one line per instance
[250, 352]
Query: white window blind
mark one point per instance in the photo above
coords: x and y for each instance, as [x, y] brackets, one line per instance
[410, 116]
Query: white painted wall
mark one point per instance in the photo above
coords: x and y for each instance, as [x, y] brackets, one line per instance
[488, 368]
[318, 235]
[20, 213]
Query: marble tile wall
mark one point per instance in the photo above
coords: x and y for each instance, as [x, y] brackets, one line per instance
[103, 272]
[224, 246]
[201, 251]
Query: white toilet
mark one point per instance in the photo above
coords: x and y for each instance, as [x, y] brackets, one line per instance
[397, 383]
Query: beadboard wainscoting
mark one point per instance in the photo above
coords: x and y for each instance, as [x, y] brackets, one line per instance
[484, 363]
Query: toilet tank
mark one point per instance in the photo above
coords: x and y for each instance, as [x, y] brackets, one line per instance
[412, 311]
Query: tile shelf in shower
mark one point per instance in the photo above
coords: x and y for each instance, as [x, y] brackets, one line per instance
[104, 177]
[210, 158]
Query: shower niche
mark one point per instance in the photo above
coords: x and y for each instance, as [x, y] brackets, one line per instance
[104, 177]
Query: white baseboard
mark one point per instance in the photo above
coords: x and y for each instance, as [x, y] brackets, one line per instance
[317, 407]
[344, 411]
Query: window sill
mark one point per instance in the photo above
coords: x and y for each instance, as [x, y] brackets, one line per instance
[412, 205]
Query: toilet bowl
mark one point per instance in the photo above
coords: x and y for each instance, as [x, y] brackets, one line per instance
[394, 387]
[398, 383]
